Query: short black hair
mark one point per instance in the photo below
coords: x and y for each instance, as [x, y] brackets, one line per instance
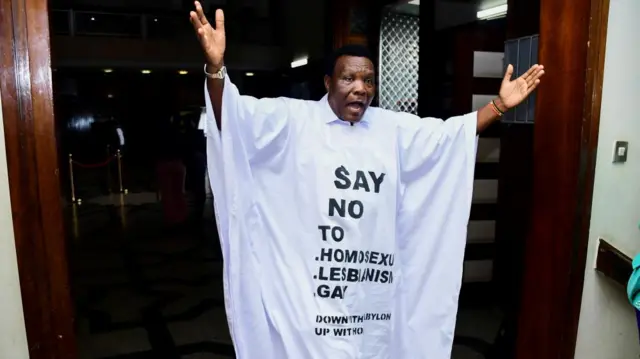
[347, 50]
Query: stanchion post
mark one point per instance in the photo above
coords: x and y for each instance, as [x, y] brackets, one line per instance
[119, 155]
[76, 225]
[73, 187]
[109, 170]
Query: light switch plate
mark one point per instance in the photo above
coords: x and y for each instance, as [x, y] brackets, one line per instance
[620, 151]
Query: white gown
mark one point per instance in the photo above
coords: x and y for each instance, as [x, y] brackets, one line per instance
[339, 241]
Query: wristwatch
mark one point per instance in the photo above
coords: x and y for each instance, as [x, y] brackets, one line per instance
[219, 75]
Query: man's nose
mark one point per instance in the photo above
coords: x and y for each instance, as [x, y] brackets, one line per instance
[359, 88]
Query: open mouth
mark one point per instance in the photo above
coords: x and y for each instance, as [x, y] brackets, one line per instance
[355, 106]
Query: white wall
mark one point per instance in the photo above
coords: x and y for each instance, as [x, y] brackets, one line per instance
[607, 323]
[13, 338]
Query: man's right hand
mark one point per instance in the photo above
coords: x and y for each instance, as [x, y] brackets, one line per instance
[213, 41]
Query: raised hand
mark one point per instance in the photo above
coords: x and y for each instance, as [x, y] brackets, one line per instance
[512, 93]
[213, 40]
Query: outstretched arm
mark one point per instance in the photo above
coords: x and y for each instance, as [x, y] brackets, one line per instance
[213, 42]
[512, 93]
[425, 143]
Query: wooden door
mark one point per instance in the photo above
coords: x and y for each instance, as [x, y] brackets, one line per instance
[27, 107]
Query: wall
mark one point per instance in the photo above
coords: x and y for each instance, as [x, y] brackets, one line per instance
[304, 30]
[607, 327]
[136, 53]
[252, 40]
[450, 14]
[146, 4]
[13, 339]
[454, 13]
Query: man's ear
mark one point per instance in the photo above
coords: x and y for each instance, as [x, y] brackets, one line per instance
[327, 83]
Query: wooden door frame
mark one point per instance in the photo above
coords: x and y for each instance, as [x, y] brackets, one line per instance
[27, 108]
[572, 48]
[566, 136]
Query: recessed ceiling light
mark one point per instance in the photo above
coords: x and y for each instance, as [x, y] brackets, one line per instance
[249, 74]
[146, 72]
[493, 13]
[300, 62]
[108, 71]
[183, 72]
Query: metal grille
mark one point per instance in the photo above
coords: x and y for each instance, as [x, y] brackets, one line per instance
[399, 46]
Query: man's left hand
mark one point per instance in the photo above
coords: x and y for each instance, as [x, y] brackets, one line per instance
[512, 92]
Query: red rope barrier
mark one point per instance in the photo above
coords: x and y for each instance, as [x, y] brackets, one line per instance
[94, 165]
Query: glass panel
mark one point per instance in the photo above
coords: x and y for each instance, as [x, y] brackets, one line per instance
[488, 64]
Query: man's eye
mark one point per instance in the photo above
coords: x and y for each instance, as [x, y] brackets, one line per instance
[348, 78]
[369, 81]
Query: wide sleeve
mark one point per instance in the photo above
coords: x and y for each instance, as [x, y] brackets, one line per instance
[424, 142]
[436, 163]
[254, 132]
[260, 125]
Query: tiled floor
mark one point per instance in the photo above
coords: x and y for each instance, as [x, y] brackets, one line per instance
[146, 291]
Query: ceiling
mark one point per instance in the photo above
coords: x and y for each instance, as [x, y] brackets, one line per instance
[480, 4]
[449, 13]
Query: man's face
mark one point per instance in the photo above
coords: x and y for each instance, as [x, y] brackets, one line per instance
[351, 88]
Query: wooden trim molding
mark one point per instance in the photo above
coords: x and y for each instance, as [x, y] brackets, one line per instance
[27, 106]
[614, 264]
[597, 43]
[565, 142]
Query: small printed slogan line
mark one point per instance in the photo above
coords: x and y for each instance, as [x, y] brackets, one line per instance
[347, 320]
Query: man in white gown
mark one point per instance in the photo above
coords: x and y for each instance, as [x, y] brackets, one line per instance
[342, 227]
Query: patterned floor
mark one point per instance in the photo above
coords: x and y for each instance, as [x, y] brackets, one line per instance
[146, 291]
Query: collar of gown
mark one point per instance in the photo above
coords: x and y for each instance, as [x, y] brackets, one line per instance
[330, 117]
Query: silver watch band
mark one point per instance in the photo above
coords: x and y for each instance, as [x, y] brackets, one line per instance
[218, 75]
